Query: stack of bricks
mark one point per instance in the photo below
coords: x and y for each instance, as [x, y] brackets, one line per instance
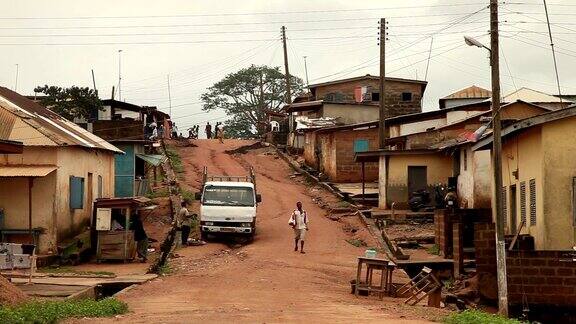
[544, 277]
[443, 232]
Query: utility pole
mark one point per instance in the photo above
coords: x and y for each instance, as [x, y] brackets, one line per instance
[120, 75]
[169, 96]
[16, 81]
[553, 51]
[383, 111]
[497, 201]
[94, 81]
[306, 71]
[286, 71]
[383, 114]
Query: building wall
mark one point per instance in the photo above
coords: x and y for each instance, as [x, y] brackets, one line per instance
[439, 168]
[344, 92]
[449, 103]
[474, 180]
[416, 127]
[347, 170]
[78, 162]
[351, 114]
[14, 195]
[525, 155]
[559, 170]
[309, 149]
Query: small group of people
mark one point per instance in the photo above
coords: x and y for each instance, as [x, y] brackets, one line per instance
[193, 132]
[218, 131]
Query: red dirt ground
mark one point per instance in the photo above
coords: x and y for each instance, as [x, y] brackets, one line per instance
[265, 281]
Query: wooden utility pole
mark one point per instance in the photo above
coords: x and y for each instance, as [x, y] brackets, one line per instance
[286, 71]
[169, 96]
[383, 111]
[497, 201]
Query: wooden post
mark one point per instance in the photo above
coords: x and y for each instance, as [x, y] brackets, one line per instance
[30, 184]
[497, 202]
[383, 114]
[363, 183]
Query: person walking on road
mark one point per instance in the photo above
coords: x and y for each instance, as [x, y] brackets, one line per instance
[182, 215]
[220, 133]
[188, 223]
[299, 222]
[208, 130]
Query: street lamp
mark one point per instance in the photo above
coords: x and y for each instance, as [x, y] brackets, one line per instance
[473, 42]
[497, 199]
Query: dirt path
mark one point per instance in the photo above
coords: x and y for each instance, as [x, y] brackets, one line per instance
[265, 281]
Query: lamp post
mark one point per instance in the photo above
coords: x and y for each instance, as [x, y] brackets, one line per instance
[497, 201]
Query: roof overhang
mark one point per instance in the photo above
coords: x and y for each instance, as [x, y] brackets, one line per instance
[13, 171]
[11, 147]
[374, 156]
[304, 106]
[486, 142]
[153, 159]
[122, 202]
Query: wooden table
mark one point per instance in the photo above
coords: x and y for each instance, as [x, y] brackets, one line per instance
[385, 266]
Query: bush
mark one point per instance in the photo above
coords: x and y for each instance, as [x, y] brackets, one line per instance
[158, 193]
[187, 196]
[434, 249]
[53, 311]
[175, 159]
[478, 317]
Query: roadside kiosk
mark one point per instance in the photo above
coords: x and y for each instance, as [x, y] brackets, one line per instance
[112, 234]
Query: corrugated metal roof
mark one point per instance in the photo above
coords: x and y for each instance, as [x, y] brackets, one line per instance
[154, 159]
[26, 170]
[59, 130]
[530, 95]
[469, 93]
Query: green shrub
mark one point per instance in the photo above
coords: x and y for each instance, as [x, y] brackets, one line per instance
[53, 311]
[158, 193]
[478, 317]
[187, 196]
[357, 242]
[175, 159]
[434, 249]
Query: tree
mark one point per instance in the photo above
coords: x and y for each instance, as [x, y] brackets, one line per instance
[70, 103]
[246, 95]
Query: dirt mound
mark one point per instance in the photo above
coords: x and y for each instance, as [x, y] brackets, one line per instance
[10, 295]
[244, 149]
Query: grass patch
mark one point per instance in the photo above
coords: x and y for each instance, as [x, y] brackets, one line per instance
[357, 242]
[187, 195]
[478, 317]
[57, 269]
[53, 311]
[175, 159]
[163, 192]
[434, 249]
[165, 269]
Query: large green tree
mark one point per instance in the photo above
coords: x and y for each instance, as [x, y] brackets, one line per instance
[70, 103]
[246, 95]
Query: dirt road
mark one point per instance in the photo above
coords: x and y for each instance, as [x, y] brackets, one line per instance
[265, 281]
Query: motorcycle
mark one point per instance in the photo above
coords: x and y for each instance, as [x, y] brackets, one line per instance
[420, 199]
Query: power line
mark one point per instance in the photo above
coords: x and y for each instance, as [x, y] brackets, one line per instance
[237, 14]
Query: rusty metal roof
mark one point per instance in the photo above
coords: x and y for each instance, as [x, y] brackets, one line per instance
[26, 170]
[469, 93]
[60, 131]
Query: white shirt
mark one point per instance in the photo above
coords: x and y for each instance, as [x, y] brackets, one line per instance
[301, 219]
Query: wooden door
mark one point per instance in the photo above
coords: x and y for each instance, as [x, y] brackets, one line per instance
[417, 179]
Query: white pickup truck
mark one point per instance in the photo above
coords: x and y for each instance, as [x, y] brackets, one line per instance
[228, 205]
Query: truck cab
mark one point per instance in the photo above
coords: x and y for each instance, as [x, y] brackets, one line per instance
[228, 205]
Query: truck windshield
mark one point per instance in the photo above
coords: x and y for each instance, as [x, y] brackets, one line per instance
[228, 196]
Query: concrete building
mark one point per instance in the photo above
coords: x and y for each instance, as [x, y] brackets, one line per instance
[466, 96]
[51, 185]
[125, 125]
[539, 178]
[419, 161]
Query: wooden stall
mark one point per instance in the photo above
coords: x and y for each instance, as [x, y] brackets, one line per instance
[112, 235]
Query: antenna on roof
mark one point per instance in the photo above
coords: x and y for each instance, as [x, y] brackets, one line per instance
[94, 82]
[553, 51]
[16, 81]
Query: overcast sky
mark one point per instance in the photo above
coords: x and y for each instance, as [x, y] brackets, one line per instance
[199, 42]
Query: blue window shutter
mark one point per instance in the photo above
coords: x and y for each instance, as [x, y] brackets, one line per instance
[76, 192]
[360, 145]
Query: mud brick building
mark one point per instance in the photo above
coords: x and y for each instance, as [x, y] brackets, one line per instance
[331, 151]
